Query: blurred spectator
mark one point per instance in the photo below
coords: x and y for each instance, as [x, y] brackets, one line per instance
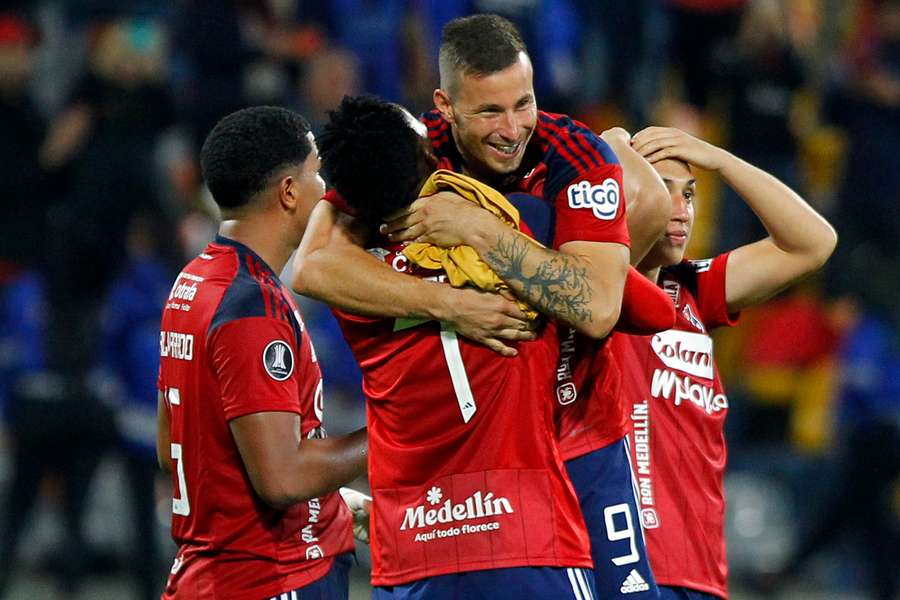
[54, 429]
[24, 184]
[213, 48]
[129, 363]
[620, 41]
[763, 74]
[862, 503]
[865, 101]
[699, 32]
[372, 30]
[107, 135]
[789, 379]
[328, 76]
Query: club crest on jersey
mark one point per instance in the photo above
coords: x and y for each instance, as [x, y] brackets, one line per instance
[649, 518]
[278, 360]
[567, 393]
[603, 198]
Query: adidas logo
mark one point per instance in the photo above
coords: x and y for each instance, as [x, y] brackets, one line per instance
[634, 583]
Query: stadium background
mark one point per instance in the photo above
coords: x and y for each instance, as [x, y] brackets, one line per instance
[103, 105]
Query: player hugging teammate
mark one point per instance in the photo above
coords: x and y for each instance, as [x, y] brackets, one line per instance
[498, 406]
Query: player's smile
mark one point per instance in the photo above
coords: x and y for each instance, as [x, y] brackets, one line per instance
[505, 150]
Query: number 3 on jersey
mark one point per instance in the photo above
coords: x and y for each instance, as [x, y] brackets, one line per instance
[180, 504]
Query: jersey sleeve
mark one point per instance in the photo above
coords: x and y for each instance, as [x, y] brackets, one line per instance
[591, 208]
[711, 292]
[255, 363]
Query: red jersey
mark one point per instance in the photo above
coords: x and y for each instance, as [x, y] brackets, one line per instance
[576, 173]
[590, 410]
[678, 414]
[233, 343]
[463, 463]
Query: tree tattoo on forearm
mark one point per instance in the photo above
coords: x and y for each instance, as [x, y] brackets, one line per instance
[558, 287]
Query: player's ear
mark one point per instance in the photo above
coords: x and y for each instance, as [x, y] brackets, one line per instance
[442, 103]
[288, 194]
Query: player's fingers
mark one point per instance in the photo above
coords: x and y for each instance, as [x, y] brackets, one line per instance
[407, 235]
[660, 155]
[643, 135]
[511, 309]
[407, 210]
[645, 146]
[516, 335]
[654, 143]
[499, 347]
[389, 227]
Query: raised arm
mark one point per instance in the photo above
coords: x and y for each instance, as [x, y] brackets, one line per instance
[799, 242]
[581, 284]
[647, 201]
[285, 469]
[332, 266]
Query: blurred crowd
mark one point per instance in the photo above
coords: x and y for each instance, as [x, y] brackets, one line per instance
[104, 104]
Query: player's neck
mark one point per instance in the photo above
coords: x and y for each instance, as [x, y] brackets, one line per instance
[258, 236]
[651, 273]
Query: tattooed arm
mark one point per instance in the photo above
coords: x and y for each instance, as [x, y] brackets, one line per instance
[580, 285]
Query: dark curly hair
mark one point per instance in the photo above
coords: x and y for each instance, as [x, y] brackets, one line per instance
[477, 45]
[246, 148]
[372, 156]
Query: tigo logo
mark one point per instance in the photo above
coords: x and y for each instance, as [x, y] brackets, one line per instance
[603, 199]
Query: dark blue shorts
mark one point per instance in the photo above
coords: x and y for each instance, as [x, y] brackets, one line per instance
[680, 593]
[533, 583]
[334, 585]
[606, 491]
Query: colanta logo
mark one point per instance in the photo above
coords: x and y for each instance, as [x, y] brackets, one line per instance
[476, 506]
[684, 351]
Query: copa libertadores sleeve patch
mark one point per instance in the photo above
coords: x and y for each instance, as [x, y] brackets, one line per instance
[278, 360]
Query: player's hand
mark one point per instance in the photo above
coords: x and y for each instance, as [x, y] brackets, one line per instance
[489, 319]
[360, 506]
[443, 219]
[659, 143]
[616, 135]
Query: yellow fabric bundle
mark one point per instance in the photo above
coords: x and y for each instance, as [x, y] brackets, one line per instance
[461, 263]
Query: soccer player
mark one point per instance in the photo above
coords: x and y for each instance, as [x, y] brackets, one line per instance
[487, 125]
[255, 510]
[679, 404]
[470, 495]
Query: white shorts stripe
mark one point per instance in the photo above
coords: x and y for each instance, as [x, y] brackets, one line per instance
[576, 588]
[582, 581]
[294, 595]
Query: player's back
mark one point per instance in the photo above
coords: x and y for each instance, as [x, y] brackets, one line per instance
[463, 463]
[232, 343]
